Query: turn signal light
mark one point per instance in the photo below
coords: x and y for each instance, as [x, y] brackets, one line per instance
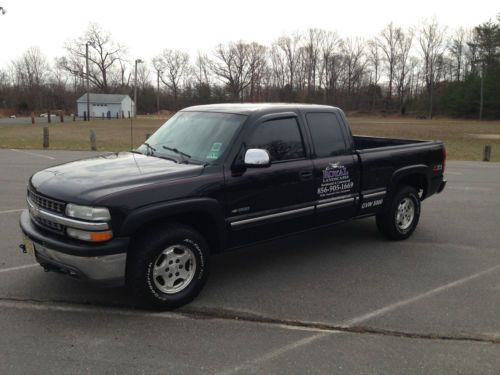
[89, 236]
[101, 236]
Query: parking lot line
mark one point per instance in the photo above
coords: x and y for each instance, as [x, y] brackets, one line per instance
[274, 353]
[33, 154]
[19, 267]
[384, 310]
[11, 211]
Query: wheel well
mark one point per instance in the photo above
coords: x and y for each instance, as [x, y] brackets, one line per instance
[418, 181]
[200, 221]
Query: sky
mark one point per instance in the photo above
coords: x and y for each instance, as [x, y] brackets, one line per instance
[147, 27]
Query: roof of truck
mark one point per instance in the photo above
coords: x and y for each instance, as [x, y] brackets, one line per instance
[250, 108]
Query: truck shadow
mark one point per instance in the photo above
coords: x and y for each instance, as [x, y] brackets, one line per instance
[238, 271]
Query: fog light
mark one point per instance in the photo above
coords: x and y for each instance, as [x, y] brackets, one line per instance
[89, 236]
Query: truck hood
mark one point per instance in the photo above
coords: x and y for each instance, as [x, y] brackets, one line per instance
[86, 180]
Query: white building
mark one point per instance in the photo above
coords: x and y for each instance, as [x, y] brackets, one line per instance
[102, 103]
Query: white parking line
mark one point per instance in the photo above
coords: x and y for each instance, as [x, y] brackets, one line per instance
[246, 366]
[384, 310]
[33, 154]
[11, 211]
[19, 267]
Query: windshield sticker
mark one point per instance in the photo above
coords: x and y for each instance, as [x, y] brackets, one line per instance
[214, 151]
[335, 180]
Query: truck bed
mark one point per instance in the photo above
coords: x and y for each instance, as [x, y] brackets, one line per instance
[362, 142]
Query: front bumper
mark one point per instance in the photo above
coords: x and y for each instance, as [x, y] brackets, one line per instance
[103, 263]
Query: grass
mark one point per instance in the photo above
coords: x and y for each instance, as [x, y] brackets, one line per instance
[464, 139]
[111, 135]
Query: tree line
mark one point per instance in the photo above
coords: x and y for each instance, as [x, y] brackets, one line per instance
[424, 70]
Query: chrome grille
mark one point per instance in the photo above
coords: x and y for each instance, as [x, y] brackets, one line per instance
[47, 203]
[49, 224]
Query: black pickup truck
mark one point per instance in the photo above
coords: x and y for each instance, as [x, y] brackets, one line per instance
[219, 177]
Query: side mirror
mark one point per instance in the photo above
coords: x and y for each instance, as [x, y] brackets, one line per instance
[257, 158]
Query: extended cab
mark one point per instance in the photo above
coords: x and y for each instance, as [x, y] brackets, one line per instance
[218, 177]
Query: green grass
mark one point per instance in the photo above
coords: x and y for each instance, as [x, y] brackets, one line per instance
[464, 139]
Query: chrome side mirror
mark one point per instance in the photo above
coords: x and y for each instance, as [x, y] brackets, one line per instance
[257, 158]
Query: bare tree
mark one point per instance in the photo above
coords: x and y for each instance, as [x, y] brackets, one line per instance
[457, 51]
[387, 41]
[402, 66]
[431, 40]
[329, 50]
[231, 65]
[174, 65]
[374, 60]
[257, 60]
[104, 56]
[289, 47]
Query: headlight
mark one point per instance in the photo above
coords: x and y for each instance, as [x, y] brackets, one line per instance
[88, 213]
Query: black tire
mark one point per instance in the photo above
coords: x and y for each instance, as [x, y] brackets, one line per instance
[387, 222]
[148, 253]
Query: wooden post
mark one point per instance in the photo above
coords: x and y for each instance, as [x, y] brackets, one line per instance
[117, 115]
[487, 153]
[46, 137]
[48, 117]
[32, 117]
[84, 116]
[74, 117]
[61, 116]
[128, 114]
[93, 145]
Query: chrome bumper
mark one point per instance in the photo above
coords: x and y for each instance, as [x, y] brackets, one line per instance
[106, 269]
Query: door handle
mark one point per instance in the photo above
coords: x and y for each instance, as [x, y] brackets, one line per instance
[305, 175]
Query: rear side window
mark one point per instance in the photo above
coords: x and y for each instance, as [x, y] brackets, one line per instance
[327, 134]
[281, 138]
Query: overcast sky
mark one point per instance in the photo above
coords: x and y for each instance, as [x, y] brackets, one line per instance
[146, 26]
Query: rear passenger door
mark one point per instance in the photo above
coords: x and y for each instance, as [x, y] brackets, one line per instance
[336, 171]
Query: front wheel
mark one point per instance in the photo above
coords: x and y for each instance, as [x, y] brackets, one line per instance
[168, 266]
[401, 219]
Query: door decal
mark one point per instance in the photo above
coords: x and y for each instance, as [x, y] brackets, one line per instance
[336, 180]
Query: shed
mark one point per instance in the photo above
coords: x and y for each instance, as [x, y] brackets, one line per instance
[102, 103]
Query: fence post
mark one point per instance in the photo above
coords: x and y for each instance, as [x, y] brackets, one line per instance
[84, 116]
[487, 153]
[32, 117]
[93, 142]
[48, 117]
[61, 116]
[128, 114]
[46, 137]
[74, 117]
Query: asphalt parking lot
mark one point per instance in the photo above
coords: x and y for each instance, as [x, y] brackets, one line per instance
[336, 300]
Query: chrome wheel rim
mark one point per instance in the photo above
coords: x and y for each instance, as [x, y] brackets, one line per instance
[174, 269]
[405, 213]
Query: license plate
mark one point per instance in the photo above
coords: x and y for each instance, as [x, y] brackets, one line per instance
[29, 246]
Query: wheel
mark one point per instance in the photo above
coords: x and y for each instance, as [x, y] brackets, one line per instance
[401, 219]
[168, 266]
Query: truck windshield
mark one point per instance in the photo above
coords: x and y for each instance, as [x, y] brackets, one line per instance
[194, 136]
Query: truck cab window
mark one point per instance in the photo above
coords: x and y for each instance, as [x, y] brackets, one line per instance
[281, 138]
[327, 134]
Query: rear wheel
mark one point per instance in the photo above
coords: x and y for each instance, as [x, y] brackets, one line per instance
[168, 266]
[401, 219]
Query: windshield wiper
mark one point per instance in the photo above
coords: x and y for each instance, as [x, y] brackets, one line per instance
[151, 150]
[178, 152]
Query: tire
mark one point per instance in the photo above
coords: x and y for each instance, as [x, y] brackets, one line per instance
[168, 266]
[401, 218]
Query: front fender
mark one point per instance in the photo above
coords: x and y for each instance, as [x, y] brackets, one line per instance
[158, 211]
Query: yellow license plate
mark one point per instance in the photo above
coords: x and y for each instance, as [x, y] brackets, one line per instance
[29, 246]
